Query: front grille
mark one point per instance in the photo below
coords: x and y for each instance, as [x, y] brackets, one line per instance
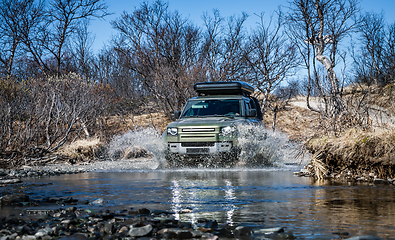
[198, 130]
[197, 144]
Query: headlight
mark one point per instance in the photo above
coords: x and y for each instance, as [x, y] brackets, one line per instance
[228, 130]
[172, 131]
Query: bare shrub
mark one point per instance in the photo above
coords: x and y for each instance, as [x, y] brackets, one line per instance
[39, 116]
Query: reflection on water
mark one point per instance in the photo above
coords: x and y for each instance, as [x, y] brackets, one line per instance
[266, 198]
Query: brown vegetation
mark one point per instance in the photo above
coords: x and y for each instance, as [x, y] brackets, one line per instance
[364, 148]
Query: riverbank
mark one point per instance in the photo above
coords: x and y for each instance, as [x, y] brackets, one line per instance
[355, 154]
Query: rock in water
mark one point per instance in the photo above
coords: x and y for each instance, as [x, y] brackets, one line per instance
[140, 231]
[12, 199]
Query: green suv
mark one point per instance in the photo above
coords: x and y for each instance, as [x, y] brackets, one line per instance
[206, 128]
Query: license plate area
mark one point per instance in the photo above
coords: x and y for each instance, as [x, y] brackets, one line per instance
[198, 150]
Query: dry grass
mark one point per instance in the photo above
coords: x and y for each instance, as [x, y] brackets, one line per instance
[299, 123]
[319, 168]
[82, 149]
[121, 124]
[352, 144]
[357, 151]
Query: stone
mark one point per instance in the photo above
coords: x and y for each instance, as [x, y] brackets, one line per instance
[366, 237]
[9, 237]
[5, 232]
[28, 237]
[199, 234]
[242, 231]
[123, 230]
[179, 233]
[24, 229]
[185, 210]
[161, 212]
[66, 221]
[71, 209]
[58, 229]
[211, 224]
[144, 211]
[184, 225]
[44, 232]
[99, 201]
[12, 199]
[10, 181]
[76, 236]
[107, 216]
[140, 231]
[269, 230]
[109, 228]
[379, 181]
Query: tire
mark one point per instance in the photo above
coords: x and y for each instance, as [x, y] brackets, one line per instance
[173, 159]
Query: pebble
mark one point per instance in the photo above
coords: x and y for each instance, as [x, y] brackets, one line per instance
[99, 201]
[140, 231]
[10, 181]
[366, 237]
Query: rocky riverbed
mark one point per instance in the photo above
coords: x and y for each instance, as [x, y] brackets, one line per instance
[73, 223]
[65, 221]
[59, 218]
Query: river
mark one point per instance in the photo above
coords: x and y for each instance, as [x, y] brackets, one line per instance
[268, 197]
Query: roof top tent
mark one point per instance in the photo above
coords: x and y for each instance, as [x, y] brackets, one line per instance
[223, 88]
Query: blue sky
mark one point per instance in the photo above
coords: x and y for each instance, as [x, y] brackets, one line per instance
[193, 9]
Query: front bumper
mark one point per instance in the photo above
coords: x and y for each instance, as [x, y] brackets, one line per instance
[199, 148]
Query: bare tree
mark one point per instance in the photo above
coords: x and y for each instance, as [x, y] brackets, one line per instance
[16, 20]
[374, 60]
[223, 49]
[389, 63]
[81, 49]
[162, 51]
[323, 25]
[271, 57]
[62, 20]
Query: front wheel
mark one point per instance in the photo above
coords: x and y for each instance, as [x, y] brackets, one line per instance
[229, 159]
[173, 159]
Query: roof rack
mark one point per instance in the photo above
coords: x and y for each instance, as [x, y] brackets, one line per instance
[224, 88]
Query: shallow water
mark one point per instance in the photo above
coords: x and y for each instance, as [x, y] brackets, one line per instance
[257, 197]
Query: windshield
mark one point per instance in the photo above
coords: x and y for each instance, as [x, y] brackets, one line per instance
[226, 107]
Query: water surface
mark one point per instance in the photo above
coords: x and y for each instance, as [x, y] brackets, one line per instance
[258, 197]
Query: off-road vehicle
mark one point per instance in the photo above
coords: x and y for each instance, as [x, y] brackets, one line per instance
[206, 128]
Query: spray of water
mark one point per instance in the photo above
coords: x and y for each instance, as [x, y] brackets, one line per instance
[139, 143]
[259, 147]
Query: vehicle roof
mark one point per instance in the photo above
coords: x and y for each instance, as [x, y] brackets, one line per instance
[216, 97]
[219, 88]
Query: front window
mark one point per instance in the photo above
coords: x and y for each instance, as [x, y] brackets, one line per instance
[201, 108]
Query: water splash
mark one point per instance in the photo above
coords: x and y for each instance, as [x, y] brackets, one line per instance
[259, 148]
[140, 143]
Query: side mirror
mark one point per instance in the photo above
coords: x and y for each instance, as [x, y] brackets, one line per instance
[177, 114]
[251, 113]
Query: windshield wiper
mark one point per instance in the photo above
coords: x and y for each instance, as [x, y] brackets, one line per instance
[206, 116]
[217, 115]
[192, 116]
